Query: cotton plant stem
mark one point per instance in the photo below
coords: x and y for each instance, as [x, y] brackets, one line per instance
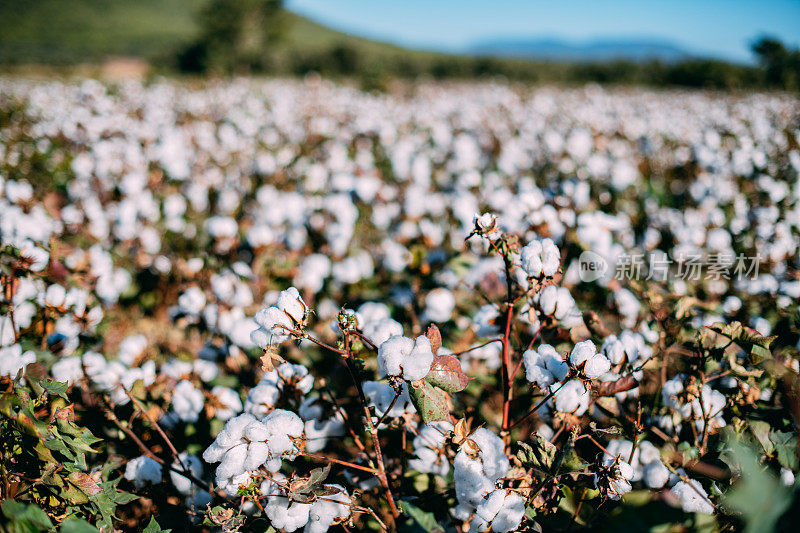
[508, 391]
[324, 458]
[373, 431]
[147, 452]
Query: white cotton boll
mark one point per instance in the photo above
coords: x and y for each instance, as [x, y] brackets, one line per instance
[284, 427]
[404, 357]
[693, 498]
[439, 305]
[531, 259]
[319, 432]
[143, 470]
[55, 295]
[471, 483]
[289, 313]
[594, 364]
[38, 257]
[648, 453]
[13, 360]
[373, 312]
[192, 301]
[613, 349]
[221, 227]
[544, 366]
[187, 401]
[628, 307]
[485, 321]
[571, 398]
[655, 475]
[429, 461]
[381, 396]
[510, 514]
[325, 512]
[257, 455]
[540, 258]
[67, 369]
[230, 403]
[490, 505]
[290, 302]
[493, 458]
[205, 370]
[286, 515]
[787, 477]
[7, 333]
[191, 463]
[256, 431]
[379, 331]
[261, 398]
[176, 369]
[311, 273]
[131, 348]
[232, 462]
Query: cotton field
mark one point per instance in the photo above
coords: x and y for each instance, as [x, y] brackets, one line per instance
[290, 305]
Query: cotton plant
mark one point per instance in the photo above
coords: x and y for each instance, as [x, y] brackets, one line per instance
[373, 309]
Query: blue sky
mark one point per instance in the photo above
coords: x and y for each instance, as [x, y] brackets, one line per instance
[718, 28]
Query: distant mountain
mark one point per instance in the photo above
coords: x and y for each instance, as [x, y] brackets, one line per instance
[553, 49]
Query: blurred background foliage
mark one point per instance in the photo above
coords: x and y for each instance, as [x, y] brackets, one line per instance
[261, 37]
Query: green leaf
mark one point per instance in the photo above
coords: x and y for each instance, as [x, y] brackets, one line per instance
[153, 527]
[30, 517]
[755, 344]
[50, 386]
[785, 444]
[421, 521]
[431, 402]
[760, 430]
[539, 454]
[446, 374]
[76, 525]
[758, 495]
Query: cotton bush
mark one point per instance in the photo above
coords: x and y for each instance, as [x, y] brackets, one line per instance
[245, 304]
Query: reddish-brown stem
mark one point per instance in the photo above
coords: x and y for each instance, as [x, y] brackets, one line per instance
[323, 458]
[373, 431]
[506, 376]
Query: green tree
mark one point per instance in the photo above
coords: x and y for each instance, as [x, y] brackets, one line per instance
[236, 35]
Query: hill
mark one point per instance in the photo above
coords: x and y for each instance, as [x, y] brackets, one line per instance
[552, 49]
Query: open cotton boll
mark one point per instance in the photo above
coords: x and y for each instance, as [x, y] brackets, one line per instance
[311, 273]
[67, 369]
[439, 305]
[194, 465]
[381, 395]
[506, 509]
[13, 360]
[540, 258]
[286, 515]
[55, 296]
[192, 301]
[485, 321]
[143, 470]
[379, 331]
[594, 364]
[693, 498]
[289, 313]
[131, 348]
[187, 401]
[470, 481]
[230, 404]
[544, 366]
[324, 512]
[655, 474]
[407, 358]
[571, 397]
